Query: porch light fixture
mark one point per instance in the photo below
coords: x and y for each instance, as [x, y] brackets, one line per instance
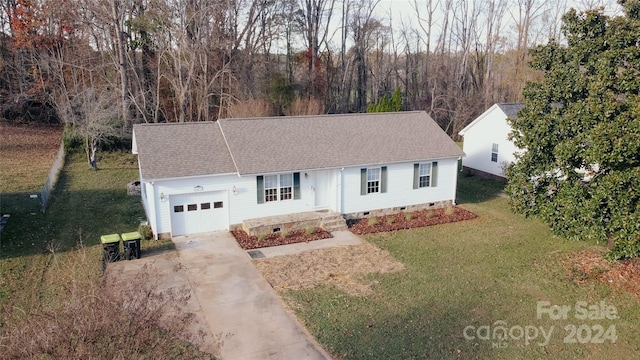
[306, 175]
[162, 197]
[198, 188]
[234, 189]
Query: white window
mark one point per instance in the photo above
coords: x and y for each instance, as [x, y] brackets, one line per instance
[286, 186]
[494, 152]
[278, 187]
[271, 188]
[424, 174]
[373, 180]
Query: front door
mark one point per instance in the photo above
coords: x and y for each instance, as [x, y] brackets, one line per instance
[322, 186]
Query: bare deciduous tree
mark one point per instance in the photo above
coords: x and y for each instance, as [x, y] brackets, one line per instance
[316, 20]
[117, 18]
[94, 114]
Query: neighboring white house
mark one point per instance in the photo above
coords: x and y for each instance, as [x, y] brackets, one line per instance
[487, 148]
[207, 176]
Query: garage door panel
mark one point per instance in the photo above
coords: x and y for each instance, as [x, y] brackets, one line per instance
[197, 213]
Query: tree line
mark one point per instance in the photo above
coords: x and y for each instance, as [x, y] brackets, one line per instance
[102, 66]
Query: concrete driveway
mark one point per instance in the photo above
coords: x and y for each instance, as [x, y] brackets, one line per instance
[230, 299]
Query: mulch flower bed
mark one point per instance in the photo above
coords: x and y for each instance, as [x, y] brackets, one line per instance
[410, 220]
[370, 225]
[589, 266]
[248, 242]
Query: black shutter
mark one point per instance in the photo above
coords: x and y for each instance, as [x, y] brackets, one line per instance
[363, 181]
[260, 181]
[296, 185]
[416, 176]
[434, 174]
[383, 179]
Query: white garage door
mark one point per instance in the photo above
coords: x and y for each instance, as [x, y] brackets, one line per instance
[198, 213]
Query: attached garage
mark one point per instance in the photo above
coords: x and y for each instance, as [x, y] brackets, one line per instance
[198, 212]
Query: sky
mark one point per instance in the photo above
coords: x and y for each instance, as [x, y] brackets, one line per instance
[402, 11]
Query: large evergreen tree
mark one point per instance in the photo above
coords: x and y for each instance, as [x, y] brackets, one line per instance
[387, 104]
[580, 132]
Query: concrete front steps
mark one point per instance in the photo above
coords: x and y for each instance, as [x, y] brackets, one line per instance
[326, 219]
[333, 222]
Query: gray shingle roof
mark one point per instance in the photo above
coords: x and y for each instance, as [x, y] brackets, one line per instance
[182, 149]
[331, 141]
[511, 109]
[279, 144]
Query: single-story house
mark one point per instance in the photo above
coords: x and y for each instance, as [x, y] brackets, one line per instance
[488, 150]
[208, 176]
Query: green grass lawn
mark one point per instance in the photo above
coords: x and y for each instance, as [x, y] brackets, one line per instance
[470, 274]
[85, 205]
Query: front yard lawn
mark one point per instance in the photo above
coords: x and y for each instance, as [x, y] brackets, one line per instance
[497, 270]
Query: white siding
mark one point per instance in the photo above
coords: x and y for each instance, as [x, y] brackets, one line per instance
[478, 139]
[148, 202]
[243, 204]
[400, 191]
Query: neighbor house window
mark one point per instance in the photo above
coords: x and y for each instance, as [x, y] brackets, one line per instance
[373, 180]
[278, 187]
[494, 153]
[425, 174]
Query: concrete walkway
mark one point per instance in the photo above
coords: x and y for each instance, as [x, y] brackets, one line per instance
[340, 238]
[230, 299]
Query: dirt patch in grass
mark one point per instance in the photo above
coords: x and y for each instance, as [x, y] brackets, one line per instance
[342, 267]
[248, 242]
[27, 153]
[410, 220]
[589, 265]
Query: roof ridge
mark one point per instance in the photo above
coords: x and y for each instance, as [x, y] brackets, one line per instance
[175, 123]
[320, 115]
[226, 143]
[208, 122]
